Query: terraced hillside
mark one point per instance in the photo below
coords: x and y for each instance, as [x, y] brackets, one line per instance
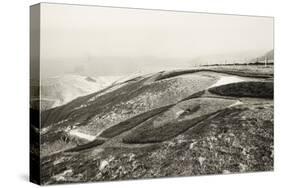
[171, 123]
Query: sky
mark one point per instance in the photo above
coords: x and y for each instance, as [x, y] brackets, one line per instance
[103, 41]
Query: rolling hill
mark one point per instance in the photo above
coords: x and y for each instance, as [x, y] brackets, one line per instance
[169, 123]
[59, 90]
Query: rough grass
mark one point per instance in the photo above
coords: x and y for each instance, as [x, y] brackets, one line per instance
[225, 142]
[195, 95]
[246, 89]
[248, 73]
[58, 145]
[103, 104]
[132, 89]
[53, 136]
[89, 145]
[57, 141]
[131, 123]
[244, 73]
[149, 134]
[174, 74]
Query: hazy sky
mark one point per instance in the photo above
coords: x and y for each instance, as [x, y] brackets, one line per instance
[105, 41]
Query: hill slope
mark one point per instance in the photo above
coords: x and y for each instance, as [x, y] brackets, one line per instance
[56, 91]
[171, 123]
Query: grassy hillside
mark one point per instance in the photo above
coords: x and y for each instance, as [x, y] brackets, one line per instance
[171, 123]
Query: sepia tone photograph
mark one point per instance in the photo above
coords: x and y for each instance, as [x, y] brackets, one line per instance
[123, 93]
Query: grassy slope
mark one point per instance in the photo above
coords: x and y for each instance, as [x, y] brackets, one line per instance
[246, 89]
[237, 139]
[132, 88]
[131, 123]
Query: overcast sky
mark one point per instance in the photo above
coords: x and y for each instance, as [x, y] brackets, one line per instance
[106, 41]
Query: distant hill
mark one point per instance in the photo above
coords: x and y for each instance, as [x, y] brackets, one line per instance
[227, 58]
[269, 55]
[59, 90]
[260, 59]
